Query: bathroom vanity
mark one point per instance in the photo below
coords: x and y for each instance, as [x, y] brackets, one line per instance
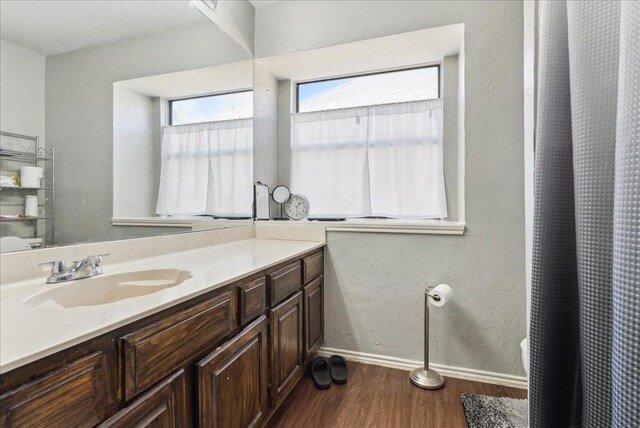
[224, 356]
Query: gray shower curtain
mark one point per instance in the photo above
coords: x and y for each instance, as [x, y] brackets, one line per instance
[585, 297]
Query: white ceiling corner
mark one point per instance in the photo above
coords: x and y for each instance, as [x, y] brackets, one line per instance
[259, 4]
[53, 27]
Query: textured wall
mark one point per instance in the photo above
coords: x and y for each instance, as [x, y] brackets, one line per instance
[374, 284]
[265, 126]
[21, 112]
[134, 132]
[79, 118]
[22, 89]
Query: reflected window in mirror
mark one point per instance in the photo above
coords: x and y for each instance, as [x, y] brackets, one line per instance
[208, 108]
[207, 157]
[370, 145]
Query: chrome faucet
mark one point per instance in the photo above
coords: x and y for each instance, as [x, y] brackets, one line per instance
[80, 269]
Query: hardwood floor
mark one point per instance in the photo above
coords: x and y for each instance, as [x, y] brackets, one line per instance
[380, 397]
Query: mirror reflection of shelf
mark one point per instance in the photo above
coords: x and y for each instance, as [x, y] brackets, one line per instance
[7, 220]
[24, 188]
[39, 153]
[14, 156]
[26, 149]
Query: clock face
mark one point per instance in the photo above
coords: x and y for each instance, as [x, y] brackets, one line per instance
[297, 207]
[281, 194]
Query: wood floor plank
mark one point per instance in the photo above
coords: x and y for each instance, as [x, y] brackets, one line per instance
[380, 397]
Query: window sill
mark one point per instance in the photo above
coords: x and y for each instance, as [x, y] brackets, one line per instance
[188, 223]
[426, 227]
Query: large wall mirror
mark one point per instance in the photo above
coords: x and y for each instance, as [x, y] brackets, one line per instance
[119, 120]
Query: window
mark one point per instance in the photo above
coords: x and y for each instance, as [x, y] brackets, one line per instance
[370, 146]
[211, 108]
[207, 157]
[371, 89]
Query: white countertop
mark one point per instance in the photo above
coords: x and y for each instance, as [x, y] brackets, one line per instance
[30, 333]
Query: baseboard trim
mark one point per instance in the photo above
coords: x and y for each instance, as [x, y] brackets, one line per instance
[405, 364]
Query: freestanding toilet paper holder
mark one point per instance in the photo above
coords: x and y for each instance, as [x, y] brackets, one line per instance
[424, 377]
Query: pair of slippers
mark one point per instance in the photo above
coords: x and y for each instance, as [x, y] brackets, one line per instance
[324, 371]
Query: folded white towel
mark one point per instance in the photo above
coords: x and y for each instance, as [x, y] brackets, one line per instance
[9, 181]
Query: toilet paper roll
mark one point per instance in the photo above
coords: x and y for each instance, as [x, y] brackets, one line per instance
[31, 206]
[30, 176]
[442, 293]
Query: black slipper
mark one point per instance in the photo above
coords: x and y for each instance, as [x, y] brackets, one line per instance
[319, 370]
[338, 366]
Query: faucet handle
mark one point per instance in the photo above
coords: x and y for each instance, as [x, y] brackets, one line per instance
[97, 259]
[57, 266]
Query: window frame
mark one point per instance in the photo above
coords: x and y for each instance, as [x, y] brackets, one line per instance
[170, 102]
[370, 73]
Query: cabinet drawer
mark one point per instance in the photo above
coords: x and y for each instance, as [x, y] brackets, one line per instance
[313, 266]
[285, 281]
[75, 395]
[155, 351]
[164, 405]
[253, 299]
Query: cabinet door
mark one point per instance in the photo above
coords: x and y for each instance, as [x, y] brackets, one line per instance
[232, 380]
[164, 406]
[313, 317]
[287, 349]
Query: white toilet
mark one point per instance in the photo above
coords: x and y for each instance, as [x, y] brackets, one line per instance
[524, 345]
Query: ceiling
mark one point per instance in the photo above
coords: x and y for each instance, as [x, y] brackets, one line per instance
[259, 4]
[53, 27]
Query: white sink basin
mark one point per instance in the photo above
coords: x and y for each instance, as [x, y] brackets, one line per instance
[104, 289]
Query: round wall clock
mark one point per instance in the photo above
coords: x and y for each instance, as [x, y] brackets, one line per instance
[296, 207]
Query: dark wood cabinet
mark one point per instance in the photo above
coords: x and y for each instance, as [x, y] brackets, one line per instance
[226, 359]
[287, 349]
[159, 349]
[232, 381]
[313, 266]
[284, 282]
[76, 395]
[164, 406]
[313, 317]
[252, 298]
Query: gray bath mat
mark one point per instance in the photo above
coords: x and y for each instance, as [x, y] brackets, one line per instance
[482, 411]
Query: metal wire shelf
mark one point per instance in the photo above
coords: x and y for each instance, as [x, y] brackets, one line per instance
[11, 220]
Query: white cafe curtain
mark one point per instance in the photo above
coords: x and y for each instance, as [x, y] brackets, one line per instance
[383, 160]
[207, 168]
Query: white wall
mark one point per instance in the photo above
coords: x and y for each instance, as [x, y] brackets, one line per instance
[285, 93]
[235, 18]
[265, 127]
[134, 173]
[22, 112]
[79, 118]
[451, 141]
[21, 90]
[375, 282]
